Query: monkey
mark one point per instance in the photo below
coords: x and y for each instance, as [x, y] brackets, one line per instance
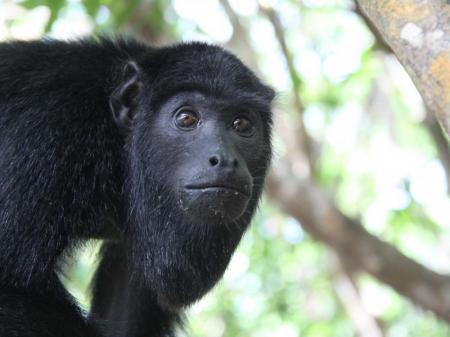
[161, 152]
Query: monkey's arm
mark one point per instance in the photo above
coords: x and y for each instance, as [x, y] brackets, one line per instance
[123, 308]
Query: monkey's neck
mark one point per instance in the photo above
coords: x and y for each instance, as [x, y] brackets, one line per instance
[123, 308]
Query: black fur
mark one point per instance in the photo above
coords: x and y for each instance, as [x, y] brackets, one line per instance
[86, 151]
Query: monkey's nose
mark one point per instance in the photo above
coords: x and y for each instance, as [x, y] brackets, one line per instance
[223, 161]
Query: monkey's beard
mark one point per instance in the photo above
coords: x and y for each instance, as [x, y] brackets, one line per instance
[177, 259]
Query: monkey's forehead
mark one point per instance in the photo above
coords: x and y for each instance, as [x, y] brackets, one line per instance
[205, 67]
[221, 105]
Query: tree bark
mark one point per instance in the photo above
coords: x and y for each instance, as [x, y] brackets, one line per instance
[418, 32]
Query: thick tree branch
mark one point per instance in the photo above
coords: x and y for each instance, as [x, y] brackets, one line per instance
[319, 216]
[417, 32]
[430, 123]
[380, 43]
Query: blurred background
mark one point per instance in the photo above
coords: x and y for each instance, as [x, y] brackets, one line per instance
[353, 234]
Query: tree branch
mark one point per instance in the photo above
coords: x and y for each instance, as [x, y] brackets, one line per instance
[239, 41]
[319, 216]
[442, 146]
[348, 293]
[379, 39]
[306, 140]
[430, 122]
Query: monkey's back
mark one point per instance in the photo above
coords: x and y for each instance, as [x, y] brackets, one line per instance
[59, 149]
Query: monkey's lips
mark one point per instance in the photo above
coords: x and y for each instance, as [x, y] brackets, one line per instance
[214, 202]
[218, 188]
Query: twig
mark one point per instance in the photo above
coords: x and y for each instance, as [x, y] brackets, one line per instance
[442, 146]
[348, 293]
[305, 139]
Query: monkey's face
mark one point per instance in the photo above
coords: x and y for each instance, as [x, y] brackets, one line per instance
[212, 148]
[198, 148]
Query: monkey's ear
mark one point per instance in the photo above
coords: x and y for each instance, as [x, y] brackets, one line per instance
[125, 98]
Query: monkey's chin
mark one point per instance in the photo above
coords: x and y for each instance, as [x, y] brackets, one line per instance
[213, 204]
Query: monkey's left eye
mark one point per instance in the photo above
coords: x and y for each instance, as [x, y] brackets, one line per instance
[187, 118]
[243, 126]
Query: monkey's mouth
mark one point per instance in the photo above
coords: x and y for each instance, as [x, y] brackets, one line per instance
[219, 187]
[214, 202]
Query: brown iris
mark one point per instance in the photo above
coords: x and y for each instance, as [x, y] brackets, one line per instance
[187, 119]
[243, 126]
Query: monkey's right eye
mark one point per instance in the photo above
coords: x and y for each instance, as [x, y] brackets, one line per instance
[186, 118]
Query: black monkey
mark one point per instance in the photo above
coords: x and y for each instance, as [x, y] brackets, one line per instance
[161, 151]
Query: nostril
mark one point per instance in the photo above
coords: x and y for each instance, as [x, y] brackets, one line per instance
[213, 161]
[235, 163]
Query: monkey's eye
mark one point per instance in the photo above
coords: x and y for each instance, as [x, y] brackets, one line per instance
[243, 126]
[186, 118]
